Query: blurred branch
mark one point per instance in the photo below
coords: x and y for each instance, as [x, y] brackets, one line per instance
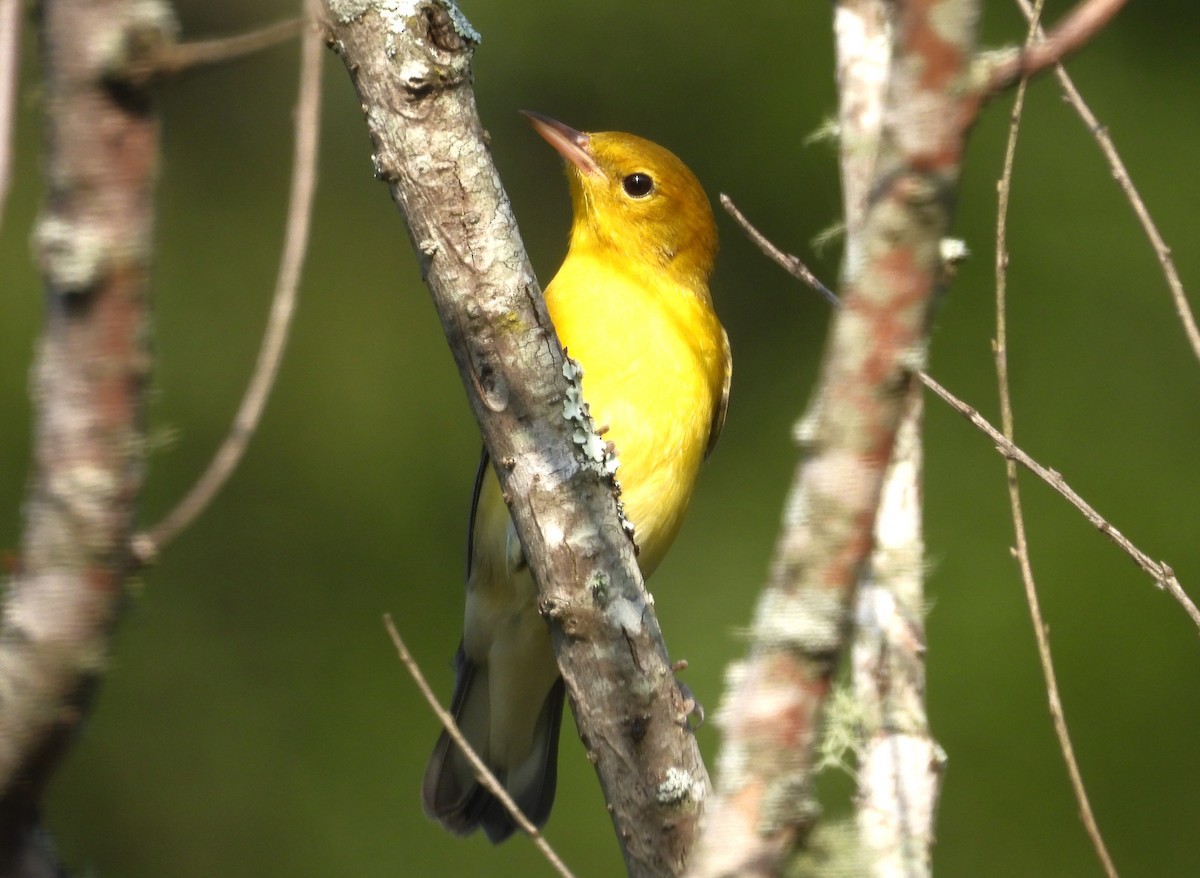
[149, 58]
[148, 544]
[1073, 31]
[482, 773]
[412, 74]
[93, 245]
[864, 30]
[1000, 351]
[770, 716]
[1121, 175]
[900, 764]
[10, 71]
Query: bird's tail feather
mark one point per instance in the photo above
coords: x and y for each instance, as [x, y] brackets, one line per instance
[453, 796]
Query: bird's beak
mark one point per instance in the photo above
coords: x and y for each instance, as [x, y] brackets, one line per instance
[571, 144]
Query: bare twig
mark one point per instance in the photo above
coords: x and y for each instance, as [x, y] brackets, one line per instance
[10, 68]
[482, 773]
[1161, 572]
[304, 173]
[152, 61]
[793, 265]
[1021, 551]
[200, 53]
[1072, 32]
[1121, 174]
[1164, 577]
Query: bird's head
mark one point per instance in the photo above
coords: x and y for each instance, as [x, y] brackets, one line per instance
[637, 200]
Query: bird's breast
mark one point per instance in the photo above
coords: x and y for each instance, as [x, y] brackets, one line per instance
[653, 369]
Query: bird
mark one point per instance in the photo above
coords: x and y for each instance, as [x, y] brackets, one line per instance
[631, 305]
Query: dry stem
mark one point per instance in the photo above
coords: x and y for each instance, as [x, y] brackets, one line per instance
[154, 61]
[1072, 32]
[1121, 174]
[148, 544]
[482, 773]
[1000, 349]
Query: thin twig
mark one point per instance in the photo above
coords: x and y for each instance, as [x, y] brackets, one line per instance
[1021, 552]
[1125, 182]
[147, 544]
[789, 263]
[171, 59]
[1161, 572]
[1072, 32]
[482, 773]
[10, 58]
[200, 53]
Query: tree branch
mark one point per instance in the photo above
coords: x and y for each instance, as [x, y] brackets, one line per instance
[412, 74]
[150, 58]
[93, 245]
[149, 543]
[1121, 174]
[10, 70]
[1075, 30]
[482, 772]
[771, 713]
[1021, 551]
[900, 765]
[1164, 577]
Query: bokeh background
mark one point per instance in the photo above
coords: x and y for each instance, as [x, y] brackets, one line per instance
[255, 721]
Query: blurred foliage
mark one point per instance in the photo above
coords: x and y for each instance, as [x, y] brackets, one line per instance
[255, 721]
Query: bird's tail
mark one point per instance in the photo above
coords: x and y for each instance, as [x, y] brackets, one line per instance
[453, 796]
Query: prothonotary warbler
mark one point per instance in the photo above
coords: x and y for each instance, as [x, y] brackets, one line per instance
[630, 304]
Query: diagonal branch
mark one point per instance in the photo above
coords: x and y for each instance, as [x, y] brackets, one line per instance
[412, 72]
[1075, 30]
[149, 543]
[771, 713]
[1164, 577]
[482, 772]
[1162, 573]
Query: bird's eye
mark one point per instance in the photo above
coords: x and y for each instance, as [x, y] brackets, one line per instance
[638, 185]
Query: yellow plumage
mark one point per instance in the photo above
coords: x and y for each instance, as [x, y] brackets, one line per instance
[631, 304]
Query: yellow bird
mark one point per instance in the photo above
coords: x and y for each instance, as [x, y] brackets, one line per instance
[630, 304]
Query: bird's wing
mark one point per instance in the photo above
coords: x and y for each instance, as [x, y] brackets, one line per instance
[479, 474]
[718, 420]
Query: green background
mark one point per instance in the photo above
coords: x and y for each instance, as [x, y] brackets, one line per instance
[255, 720]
